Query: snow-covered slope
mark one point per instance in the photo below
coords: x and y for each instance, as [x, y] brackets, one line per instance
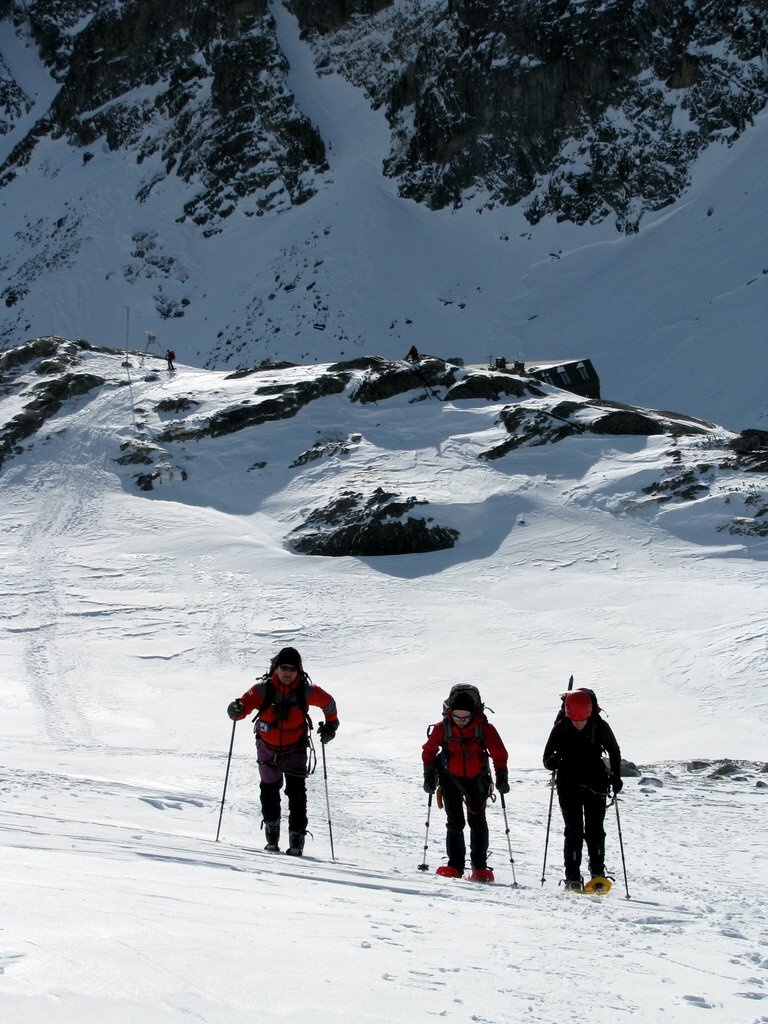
[131, 619]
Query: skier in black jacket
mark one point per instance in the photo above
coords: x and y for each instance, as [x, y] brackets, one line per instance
[574, 750]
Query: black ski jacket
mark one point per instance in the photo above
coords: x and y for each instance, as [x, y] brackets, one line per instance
[579, 753]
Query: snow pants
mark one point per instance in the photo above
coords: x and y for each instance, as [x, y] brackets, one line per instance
[275, 766]
[474, 793]
[583, 815]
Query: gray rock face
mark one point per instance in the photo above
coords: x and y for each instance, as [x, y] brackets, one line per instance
[583, 111]
[378, 525]
[218, 102]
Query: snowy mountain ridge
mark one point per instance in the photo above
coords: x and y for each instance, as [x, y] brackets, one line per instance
[350, 444]
[313, 182]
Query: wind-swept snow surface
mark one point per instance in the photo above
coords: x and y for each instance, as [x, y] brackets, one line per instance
[131, 619]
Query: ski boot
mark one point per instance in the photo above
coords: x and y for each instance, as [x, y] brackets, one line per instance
[446, 871]
[482, 875]
[272, 835]
[295, 844]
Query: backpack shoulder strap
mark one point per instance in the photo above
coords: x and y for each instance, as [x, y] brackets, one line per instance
[269, 697]
[479, 733]
[301, 694]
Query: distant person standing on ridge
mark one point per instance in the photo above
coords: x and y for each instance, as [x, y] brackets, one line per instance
[456, 758]
[170, 355]
[574, 751]
[281, 698]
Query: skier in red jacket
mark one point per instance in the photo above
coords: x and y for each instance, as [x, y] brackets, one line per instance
[281, 727]
[456, 757]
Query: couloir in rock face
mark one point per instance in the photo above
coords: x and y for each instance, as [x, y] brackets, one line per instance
[584, 111]
[203, 85]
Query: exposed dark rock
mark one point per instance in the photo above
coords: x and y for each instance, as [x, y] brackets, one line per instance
[487, 386]
[725, 769]
[48, 398]
[685, 486]
[625, 422]
[218, 110]
[176, 405]
[650, 782]
[319, 450]
[325, 15]
[752, 448]
[399, 378]
[750, 441]
[39, 348]
[535, 427]
[262, 368]
[134, 457]
[291, 398]
[378, 525]
[361, 363]
[489, 92]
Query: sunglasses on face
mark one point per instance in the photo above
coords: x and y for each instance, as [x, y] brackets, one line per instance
[461, 716]
[288, 668]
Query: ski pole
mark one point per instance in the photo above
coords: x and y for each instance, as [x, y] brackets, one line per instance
[551, 798]
[621, 847]
[226, 778]
[424, 866]
[509, 841]
[327, 802]
[549, 819]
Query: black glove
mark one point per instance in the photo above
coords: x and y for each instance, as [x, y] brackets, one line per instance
[551, 762]
[502, 780]
[617, 782]
[235, 709]
[326, 731]
[430, 778]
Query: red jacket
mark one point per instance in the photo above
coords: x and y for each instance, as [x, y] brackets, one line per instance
[466, 749]
[284, 722]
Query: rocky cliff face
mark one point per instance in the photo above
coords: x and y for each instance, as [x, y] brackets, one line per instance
[202, 84]
[241, 177]
[584, 111]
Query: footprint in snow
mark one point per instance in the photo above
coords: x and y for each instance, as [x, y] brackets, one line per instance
[699, 1001]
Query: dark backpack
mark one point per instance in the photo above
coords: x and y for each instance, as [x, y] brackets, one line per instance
[463, 690]
[467, 690]
[297, 696]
